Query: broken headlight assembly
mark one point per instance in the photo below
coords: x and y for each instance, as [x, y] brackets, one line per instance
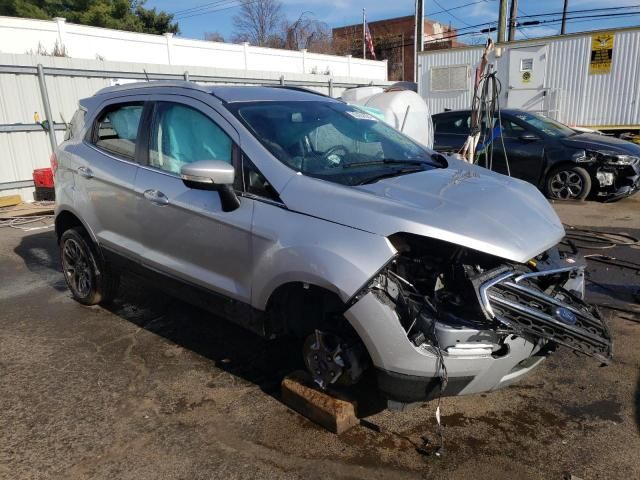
[461, 302]
[611, 158]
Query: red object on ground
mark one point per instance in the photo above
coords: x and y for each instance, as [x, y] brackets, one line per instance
[43, 177]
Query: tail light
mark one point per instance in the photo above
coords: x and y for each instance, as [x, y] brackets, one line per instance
[54, 162]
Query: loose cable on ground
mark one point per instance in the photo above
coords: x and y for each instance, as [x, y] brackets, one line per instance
[21, 222]
[598, 240]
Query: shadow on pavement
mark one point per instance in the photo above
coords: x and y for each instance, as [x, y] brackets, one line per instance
[637, 404]
[39, 252]
[231, 347]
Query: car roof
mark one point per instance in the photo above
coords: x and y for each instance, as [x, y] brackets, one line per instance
[504, 111]
[226, 93]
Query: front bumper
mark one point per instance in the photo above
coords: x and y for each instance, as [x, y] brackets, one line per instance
[409, 373]
[626, 182]
[524, 321]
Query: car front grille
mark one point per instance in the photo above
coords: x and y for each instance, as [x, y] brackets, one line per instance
[516, 301]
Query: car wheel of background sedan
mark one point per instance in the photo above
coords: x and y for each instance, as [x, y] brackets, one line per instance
[90, 282]
[568, 183]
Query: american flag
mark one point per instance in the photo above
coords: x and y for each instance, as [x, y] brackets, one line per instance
[369, 41]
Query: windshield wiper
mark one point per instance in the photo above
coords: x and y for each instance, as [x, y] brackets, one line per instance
[393, 173]
[386, 161]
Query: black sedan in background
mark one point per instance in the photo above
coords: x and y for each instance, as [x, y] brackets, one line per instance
[563, 163]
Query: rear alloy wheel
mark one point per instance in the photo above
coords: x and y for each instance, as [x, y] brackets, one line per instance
[90, 282]
[568, 183]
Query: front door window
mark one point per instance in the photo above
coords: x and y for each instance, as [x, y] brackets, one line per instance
[182, 135]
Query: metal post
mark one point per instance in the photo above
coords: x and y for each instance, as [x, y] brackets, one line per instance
[420, 23]
[403, 75]
[364, 43]
[418, 37]
[281, 79]
[47, 108]
[186, 76]
[502, 22]
[331, 87]
[513, 20]
[563, 29]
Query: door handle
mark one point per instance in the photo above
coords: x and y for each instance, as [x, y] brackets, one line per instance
[156, 197]
[86, 172]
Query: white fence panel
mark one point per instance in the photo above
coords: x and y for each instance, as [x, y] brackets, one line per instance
[70, 79]
[19, 35]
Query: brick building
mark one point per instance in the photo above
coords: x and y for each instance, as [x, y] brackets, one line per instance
[393, 40]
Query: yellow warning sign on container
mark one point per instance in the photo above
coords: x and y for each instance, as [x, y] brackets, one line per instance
[601, 53]
[526, 77]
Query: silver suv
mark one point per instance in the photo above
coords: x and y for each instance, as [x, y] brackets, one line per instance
[292, 213]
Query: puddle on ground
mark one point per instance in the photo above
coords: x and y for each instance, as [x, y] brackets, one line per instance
[600, 409]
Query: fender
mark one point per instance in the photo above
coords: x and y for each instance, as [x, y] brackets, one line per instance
[310, 250]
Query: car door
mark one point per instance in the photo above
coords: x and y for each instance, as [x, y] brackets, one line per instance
[185, 231]
[451, 131]
[105, 168]
[524, 151]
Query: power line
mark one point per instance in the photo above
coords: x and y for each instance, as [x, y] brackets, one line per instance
[198, 7]
[448, 12]
[214, 10]
[578, 19]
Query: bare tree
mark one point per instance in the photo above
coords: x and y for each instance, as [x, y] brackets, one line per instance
[307, 32]
[258, 22]
[213, 37]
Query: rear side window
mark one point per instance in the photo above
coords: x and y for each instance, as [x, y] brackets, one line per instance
[75, 125]
[458, 124]
[116, 130]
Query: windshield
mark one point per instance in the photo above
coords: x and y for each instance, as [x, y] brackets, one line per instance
[333, 141]
[545, 125]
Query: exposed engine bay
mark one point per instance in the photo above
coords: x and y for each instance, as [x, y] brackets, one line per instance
[459, 300]
[461, 310]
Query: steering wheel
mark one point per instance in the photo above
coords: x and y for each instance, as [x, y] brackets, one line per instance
[333, 152]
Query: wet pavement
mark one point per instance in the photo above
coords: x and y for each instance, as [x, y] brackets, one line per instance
[153, 388]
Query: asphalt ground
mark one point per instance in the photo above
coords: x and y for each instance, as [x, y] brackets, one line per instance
[152, 388]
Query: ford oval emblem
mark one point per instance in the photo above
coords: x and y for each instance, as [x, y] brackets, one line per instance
[565, 316]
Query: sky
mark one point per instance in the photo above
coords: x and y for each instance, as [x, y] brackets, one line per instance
[344, 12]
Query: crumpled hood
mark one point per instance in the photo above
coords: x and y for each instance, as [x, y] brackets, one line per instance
[592, 141]
[462, 204]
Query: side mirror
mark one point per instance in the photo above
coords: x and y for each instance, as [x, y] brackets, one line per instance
[212, 175]
[529, 137]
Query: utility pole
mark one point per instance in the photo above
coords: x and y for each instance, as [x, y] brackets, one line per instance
[418, 43]
[502, 22]
[402, 37]
[364, 42]
[513, 20]
[563, 29]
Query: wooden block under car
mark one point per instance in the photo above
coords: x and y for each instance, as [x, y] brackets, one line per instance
[334, 414]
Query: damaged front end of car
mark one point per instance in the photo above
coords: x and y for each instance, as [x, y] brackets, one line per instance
[456, 321]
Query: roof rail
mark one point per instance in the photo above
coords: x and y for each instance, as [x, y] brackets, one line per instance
[150, 84]
[300, 89]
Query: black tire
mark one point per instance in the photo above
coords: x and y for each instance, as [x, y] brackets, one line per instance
[88, 278]
[568, 182]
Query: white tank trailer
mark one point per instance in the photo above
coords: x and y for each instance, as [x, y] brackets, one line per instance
[589, 80]
[403, 109]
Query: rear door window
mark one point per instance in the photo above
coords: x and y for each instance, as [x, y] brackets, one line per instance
[116, 130]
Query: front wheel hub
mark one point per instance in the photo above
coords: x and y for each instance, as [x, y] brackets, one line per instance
[329, 359]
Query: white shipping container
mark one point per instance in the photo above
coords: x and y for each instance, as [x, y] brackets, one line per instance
[554, 76]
